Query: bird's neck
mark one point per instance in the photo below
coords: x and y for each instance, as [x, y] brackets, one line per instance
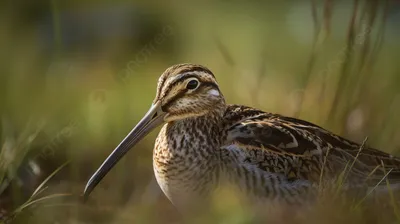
[198, 134]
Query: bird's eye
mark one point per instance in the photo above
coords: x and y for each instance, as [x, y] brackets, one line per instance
[192, 84]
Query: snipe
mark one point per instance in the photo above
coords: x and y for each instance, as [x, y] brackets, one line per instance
[268, 156]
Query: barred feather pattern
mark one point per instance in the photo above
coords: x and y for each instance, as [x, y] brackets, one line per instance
[269, 157]
[281, 164]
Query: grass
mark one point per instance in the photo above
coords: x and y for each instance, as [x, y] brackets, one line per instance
[273, 68]
[34, 199]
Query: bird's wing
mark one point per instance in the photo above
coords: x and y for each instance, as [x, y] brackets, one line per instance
[251, 129]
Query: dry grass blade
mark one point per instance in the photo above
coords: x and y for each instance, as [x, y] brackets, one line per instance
[38, 189]
[32, 202]
[340, 180]
[373, 189]
[15, 149]
[41, 190]
[323, 168]
[392, 198]
[373, 171]
[356, 157]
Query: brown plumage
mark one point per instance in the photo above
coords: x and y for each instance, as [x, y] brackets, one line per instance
[269, 157]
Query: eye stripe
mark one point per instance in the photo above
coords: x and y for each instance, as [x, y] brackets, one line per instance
[183, 77]
[180, 79]
[182, 92]
[174, 98]
[185, 69]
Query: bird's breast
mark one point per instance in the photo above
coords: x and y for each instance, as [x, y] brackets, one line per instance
[182, 166]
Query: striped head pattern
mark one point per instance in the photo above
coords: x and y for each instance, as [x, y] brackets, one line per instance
[188, 90]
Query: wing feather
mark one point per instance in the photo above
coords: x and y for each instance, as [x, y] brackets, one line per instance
[286, 138]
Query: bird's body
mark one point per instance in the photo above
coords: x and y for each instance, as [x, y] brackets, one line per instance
[206, 142]
[188, 163]
[266, 155]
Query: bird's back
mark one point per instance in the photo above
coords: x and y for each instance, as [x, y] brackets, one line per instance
[300, 150]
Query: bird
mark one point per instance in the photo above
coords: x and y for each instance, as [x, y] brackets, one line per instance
[205, 142]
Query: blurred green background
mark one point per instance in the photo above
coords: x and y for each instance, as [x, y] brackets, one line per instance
[76, 76]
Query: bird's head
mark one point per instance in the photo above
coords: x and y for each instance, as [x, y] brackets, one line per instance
[183, 91]
[187, 90]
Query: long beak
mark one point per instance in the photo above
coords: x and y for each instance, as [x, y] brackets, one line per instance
[153, 118]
